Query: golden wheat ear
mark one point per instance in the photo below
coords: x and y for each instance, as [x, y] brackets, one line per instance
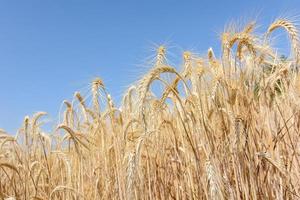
[82, 105]
[250, 27]
[210, 54]
[35, 118]
[161, 56]
[292, 31]
[68, 117]
[97, 83]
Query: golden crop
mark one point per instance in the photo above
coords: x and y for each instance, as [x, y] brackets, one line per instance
[223, 128]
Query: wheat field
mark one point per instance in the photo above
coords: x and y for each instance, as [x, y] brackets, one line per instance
[222, 127]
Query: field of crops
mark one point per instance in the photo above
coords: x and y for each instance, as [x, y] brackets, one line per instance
[222, 127]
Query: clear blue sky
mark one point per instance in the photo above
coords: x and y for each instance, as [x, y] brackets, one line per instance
[51, 48]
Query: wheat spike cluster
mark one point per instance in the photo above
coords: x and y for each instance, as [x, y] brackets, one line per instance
[222, 127]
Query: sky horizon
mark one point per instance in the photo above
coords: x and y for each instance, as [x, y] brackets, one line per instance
[50, 49]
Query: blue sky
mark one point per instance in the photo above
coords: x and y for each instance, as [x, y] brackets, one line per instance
[49, 49]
